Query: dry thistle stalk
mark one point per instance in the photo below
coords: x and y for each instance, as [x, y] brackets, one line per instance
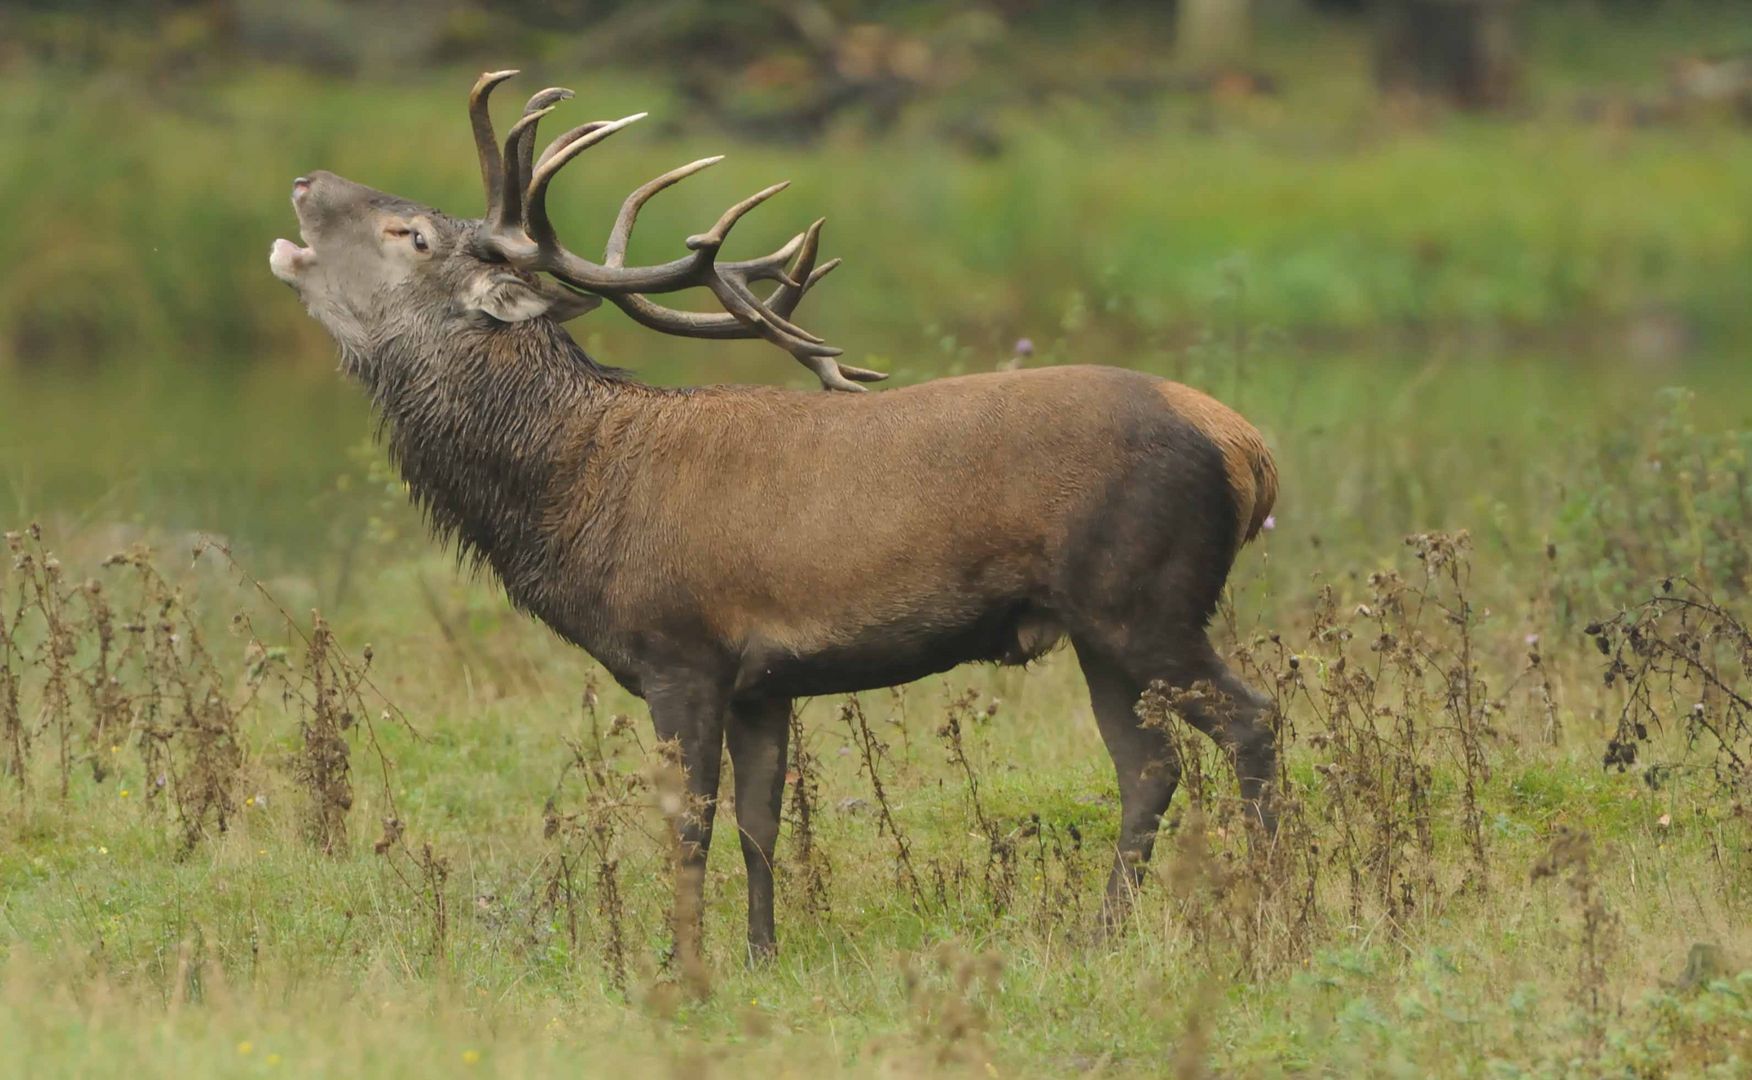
[1447, 575]
[1681, 656]
[613, 797]
[1000, 863]
[110, 712]
[13, 732]
[805, 800]
[871, 751]
[331, 696]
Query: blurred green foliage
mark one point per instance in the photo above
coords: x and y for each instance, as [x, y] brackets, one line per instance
[1037, 161]
[165, 214]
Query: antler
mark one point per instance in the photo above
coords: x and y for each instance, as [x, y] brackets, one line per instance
[517, 229]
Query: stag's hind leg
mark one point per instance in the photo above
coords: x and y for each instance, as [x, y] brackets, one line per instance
[1236, 716]
[758, 732]
[1147, 764]
[1147, 767]
[1240, 719]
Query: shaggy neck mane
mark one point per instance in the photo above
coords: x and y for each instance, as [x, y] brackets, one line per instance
[491, 429]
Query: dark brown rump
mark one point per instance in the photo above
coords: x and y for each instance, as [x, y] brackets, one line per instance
[1158, 542]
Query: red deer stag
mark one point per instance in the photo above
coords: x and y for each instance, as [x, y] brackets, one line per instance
[725, 550]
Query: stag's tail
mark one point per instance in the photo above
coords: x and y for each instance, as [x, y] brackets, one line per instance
[1253, 478]
[1256, 497]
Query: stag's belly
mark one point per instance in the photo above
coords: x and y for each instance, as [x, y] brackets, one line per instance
[887, 655]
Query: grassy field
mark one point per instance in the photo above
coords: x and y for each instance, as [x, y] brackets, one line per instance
[191, 878]
[1503, 610]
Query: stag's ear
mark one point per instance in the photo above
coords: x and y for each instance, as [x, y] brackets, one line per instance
[511, 298]
[506, 297]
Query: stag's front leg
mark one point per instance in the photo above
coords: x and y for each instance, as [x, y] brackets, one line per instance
[758, 732]
[688, 713]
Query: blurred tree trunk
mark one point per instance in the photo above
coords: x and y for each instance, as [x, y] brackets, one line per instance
[1212, 33]
[1459, 51]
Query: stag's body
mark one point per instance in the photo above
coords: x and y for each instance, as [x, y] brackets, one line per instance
[789, 544]
[723, 551]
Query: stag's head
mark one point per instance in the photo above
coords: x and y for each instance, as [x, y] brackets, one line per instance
[375, 267]
[378, 267]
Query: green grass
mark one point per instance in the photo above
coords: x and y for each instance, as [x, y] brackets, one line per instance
[326, 965]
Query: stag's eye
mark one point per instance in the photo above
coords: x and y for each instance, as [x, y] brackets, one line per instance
[414, 236]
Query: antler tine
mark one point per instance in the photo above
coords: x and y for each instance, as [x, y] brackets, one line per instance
[541, 230]
[821, 271]
[796, 281]
[519, 150]
[733, 293]
[616, 253]
[713, 238]
[486, 144]
[718, 327]
[566, 140]
[771, 267]
[804, 274]
[861, 374]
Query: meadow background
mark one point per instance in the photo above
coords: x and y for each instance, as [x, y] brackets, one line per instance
[1495, 328]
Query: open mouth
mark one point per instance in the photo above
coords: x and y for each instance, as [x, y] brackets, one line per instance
[286, 259]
